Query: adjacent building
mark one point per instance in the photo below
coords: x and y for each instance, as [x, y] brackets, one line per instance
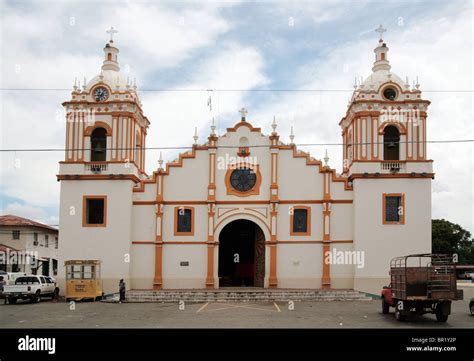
[28, 246]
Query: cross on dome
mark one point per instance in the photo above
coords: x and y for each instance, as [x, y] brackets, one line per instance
[243, 112]
[380, 30]
[111, 31]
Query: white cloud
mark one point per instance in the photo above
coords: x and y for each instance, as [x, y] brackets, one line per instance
[37, 214]
[174, 115]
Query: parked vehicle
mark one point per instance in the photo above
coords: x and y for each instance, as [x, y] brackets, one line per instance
[421, 283]
[466, 275]
[10, 277]
[471, 306]
[31, 287]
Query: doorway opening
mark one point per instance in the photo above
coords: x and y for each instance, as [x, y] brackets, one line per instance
[241, 255]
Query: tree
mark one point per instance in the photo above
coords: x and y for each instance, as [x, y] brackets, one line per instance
[451, 238]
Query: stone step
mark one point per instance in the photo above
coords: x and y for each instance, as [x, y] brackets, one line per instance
[194, 296]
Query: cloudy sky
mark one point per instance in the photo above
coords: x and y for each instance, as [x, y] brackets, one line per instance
[264, 56]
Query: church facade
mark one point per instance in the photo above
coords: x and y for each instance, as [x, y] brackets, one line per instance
[244, 208]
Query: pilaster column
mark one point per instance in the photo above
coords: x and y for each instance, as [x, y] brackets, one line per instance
[326, 277]
[211, 205]
[158, 280]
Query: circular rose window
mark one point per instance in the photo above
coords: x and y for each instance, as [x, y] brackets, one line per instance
[243, 179]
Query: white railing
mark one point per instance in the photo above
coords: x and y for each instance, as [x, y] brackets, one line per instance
[393, 166]
[96, 167]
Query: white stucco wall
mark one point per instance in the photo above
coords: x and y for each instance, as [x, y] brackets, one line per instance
[382, 242]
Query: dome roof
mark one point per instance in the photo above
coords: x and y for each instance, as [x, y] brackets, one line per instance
[380, 77]
[114, 79]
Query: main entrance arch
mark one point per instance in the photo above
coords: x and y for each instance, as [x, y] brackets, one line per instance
[241, 255]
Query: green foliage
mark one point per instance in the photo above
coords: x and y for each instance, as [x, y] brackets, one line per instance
[451, 238]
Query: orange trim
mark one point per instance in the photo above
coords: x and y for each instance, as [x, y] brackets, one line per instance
[308, 221]
[314, 241]
[255, 189]
[67, 137]
[386, 175]
[84, 208]
[98, 124]
[83, 137]
[385, 195]
[176, 232]
[98, 177]
[401, 128]
[186, 242]
[243, 124]
[326, 277]
[273, 281]
[144, 242]
[74, 139]
[210, 266]
[264, 221]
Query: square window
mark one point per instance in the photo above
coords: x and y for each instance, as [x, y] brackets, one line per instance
[300, 221]
[394, 209]
[16, 234]
[95, 211]
[184, 221]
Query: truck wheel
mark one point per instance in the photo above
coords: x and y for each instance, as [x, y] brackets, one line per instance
[37, 297]
[12, 300]
[398, 312]
[439, 315]
[385, 306]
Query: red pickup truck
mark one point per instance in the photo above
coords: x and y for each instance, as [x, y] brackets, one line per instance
[421, 283]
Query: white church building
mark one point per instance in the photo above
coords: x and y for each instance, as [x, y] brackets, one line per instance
[245, 209]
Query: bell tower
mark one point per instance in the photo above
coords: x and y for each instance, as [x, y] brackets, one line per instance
[104, 162]
[384, 129]
[106, 128]
[385, 159]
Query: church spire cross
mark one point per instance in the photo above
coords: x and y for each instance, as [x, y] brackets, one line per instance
[380, 30]
[243, 112]
[111, 32]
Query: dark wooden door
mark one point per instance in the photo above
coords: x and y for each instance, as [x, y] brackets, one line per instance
[259, 258]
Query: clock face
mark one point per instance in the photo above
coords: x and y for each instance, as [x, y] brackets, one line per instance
[243, 179]
[101, 94]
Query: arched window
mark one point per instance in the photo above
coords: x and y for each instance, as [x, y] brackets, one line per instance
[391, 143]
[99, 145]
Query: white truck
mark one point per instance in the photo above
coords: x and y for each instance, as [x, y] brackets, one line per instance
[31, 287]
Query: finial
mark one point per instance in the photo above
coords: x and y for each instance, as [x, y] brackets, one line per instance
[84, 86]
[380, 30]
[292, 136]
[195, 135]
[213, 127]
[407, 83]
[160, 161]
[243, 112]
[111, 31]
[417, 85]
[134, 83]
[326, 158]
[274, 126]
[128, 82]
[101, 76]
[355, 83]
[75, 84]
